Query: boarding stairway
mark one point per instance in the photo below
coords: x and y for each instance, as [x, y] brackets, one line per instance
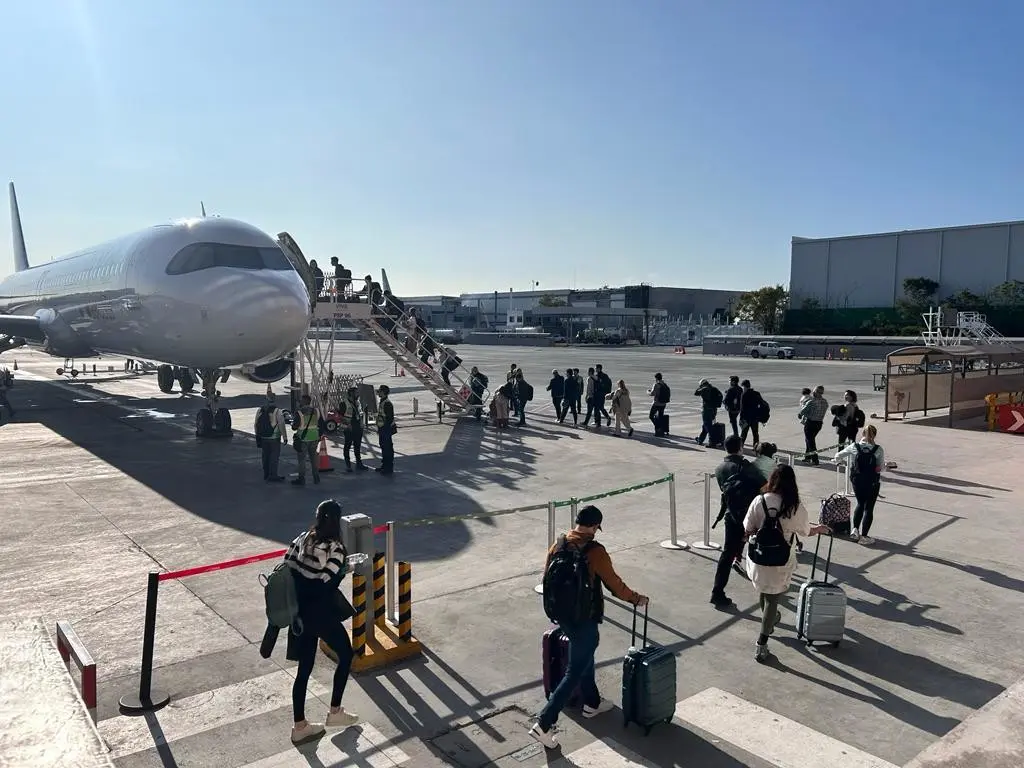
[974, 325]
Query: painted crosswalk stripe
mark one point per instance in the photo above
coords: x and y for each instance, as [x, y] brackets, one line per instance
[603, 754]
[771, 737]
[362, 745]
[205, 712]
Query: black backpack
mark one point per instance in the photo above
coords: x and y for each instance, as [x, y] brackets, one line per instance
[527, 391]
[666, 393]
[264, 429]
[568, 593]
[865, 462]
[769, 546]
[716, 397]
[741, 488]
[858, 419]
[764, 411]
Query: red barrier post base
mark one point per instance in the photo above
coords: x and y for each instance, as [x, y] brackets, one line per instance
[147, 700]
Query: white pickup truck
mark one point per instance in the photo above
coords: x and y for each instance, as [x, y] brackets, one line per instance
[769, 349]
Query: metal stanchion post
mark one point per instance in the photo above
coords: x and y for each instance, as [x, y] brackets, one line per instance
[843, 477]
[539, 589]
[673, 541]
[405, 602]
[707, 543]
[574, 508]
[147, 700]
[389, 568]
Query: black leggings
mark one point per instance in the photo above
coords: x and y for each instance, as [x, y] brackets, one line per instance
[337, 638]
[867, 495]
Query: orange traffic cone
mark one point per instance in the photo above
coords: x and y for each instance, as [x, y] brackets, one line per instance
[325, 458]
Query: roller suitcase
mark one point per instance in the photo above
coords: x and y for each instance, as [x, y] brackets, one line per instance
[821, 608]
[716, 438]
[648, 682]
[555, 650]
[661, 425]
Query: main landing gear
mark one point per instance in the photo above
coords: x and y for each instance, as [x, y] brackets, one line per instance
[212, 420]
[167, 375]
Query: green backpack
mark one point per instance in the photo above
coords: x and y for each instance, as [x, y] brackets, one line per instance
[281, 601]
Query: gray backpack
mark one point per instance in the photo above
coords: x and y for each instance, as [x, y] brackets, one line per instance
[282, 603]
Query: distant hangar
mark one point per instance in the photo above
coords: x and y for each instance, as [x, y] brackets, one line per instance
[869, 270]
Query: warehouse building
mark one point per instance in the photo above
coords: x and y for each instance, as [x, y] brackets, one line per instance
[867, 271]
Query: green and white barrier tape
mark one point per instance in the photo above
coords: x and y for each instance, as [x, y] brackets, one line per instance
[618, 491]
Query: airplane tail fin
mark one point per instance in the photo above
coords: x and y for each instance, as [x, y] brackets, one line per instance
[384, 284]
[202, 207]
[20, 253]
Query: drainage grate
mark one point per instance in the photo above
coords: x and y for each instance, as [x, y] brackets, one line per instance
[485, 741]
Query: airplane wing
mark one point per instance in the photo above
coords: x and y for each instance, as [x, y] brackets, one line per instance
[24, 326]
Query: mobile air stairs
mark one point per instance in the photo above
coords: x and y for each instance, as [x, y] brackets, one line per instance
[382, 320]
[949, 328]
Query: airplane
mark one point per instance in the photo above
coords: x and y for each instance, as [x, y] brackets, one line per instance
[203, 295]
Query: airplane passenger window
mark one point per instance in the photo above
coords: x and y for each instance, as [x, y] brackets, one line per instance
[198, 256]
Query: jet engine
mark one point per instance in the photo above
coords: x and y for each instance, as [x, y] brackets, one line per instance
[267, 373]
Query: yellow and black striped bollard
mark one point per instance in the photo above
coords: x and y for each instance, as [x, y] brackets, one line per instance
[378, 589]
[404, 601]
[359, 620]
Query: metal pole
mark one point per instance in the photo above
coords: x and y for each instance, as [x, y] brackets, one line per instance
[707, 543]
[389, 567]
[539, 589]
[673, 541]
[147, 700]
[573, 511]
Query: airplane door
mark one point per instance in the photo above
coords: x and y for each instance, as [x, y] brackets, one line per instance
[298, 260]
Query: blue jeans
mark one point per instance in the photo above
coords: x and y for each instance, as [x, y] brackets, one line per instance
[583, 642]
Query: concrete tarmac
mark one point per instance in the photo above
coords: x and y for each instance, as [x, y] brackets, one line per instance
[104, 482]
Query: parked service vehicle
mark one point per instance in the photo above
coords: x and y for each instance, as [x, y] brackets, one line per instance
[770, 349]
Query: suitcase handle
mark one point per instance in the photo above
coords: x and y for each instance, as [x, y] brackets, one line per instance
[828, 561]
[632, 636]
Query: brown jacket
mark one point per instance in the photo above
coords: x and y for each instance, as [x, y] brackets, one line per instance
[601, 571]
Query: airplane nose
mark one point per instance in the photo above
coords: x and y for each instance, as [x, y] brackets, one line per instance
[275, 318]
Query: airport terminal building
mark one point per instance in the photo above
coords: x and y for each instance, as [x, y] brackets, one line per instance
[867, 271]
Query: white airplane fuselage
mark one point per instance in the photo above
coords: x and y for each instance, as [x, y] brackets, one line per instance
[199, 293]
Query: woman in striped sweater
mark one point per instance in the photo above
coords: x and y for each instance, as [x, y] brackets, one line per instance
[317, 559]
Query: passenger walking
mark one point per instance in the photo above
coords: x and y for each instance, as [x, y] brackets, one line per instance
[451, 362]
[732, 403]
[570, 398]
[305, 438]
[764, 459]
[580, 389]
[622, 407]
[578, 608]
[739, 482]
[352, 417]
[775, 518]
[854, 418]
[557, 389]
[6, 382]
[477, 387]
[753, 412]
[592, 394]
[661, 395]
[317, 559]
[812, 414]
[270, 431]
[523, 393]
[868, 459]
[711, 400]
[603, 382]
[386, 429]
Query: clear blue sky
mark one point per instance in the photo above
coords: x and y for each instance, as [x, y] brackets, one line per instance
[481, 145]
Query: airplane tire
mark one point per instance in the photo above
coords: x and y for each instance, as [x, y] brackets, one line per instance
[222, 421]
[204, 422]
[186, 380]
[165, 378]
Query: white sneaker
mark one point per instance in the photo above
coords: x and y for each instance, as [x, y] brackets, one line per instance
[308, 731]
[341, 719]
[855, 535]
[544, 737]
[866, 540]
[600, 709]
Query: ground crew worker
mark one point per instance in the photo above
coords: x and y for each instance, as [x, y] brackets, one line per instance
[305, 439]
[6, 382]
[386, 428]
[352, 417]
[276, 432]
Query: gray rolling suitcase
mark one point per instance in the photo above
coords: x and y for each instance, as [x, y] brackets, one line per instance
[821, 609]
[648, 682]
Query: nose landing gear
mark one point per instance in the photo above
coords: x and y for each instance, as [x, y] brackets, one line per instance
[212, 420]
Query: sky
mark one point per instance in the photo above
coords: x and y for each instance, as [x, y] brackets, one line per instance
[478, 145]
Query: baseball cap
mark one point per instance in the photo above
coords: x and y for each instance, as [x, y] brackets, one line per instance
[589, 517]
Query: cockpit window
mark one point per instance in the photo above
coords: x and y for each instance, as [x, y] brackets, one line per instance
[197, 256]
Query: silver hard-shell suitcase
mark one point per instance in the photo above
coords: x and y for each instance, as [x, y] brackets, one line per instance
[821, 609]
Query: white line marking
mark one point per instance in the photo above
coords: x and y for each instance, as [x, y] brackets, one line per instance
[603, 754]
[206, 711]
[361, 745]
[771, 737]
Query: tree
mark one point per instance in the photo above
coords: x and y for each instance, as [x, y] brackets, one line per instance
[547, 300]
[966, 301]
[765, 306]
[1009, 294]
[918, 295]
